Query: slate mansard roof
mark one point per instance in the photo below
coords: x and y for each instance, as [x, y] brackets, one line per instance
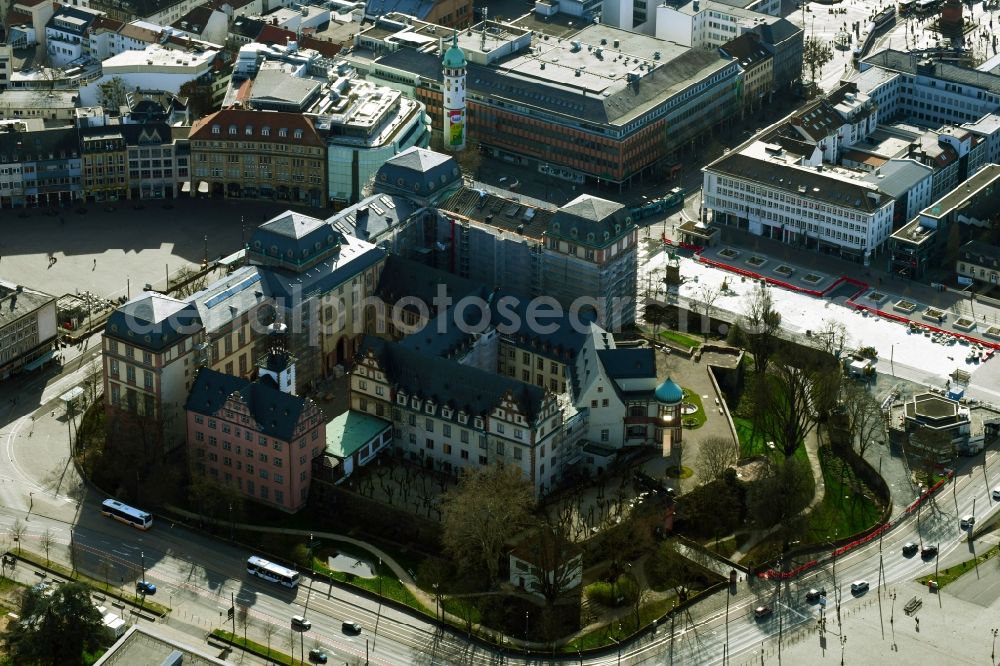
[275, 413]
[463, 388]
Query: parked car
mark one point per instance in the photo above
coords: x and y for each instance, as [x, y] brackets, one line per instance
[299, 623]
[351, 627]
[145, 588]
[929, 552]
[910, 549]
[317, 656]
[762, 612]
[814, 594]
[859, 587]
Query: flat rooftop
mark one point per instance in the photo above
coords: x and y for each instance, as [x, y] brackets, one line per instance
[350, 431]
[970, 189]
[507, 214]
[150, 645]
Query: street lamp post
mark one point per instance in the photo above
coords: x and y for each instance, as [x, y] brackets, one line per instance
[843, 642]
[993, 653]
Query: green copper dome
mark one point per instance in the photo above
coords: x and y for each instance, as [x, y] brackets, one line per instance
[669, 393]
[453, 57]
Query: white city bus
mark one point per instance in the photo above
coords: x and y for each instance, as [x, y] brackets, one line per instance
[270, 571]
[127, 514]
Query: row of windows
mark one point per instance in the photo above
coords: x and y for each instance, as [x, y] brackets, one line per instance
[264, 131]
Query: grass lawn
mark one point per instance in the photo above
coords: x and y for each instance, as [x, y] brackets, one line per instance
[622, 628]
[385, 584]
[953, 573]
[680, 339]
[697, 419]
[273, 655]
[751, 444]
[723, 547]
[462, 607]
[843, 511]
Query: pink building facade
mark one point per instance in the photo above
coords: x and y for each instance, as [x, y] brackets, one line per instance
[251, 436]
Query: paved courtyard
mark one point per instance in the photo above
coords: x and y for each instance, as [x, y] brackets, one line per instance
[108, 252]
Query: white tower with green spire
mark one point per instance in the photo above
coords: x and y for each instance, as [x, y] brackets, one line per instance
[453, 70]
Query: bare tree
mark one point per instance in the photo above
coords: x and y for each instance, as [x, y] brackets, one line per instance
[778, 497]
[557, 562]
[833, 338]
[815, 54]
[470, 159]
[757, 329]
[707, 295]
[112, 94]
[105, 567]
[785, 412]
[715, 456]
[488, 506]
[268, 630]
[863, 416]
[17, 531]
[187, 282]
[244, 620]
[46, 541]
[92, 381]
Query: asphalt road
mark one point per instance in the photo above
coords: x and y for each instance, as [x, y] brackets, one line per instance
[198, 575]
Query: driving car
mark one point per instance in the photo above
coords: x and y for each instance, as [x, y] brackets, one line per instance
[814, 594]
[299, 623]
[317, 656]
[762, 612]
[910, 548]
[859, 587]
[929, 551]
[996, 493]
[144, 587]
[968, 521]
[351, 627]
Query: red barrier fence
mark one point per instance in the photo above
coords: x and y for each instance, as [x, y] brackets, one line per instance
[862, 287]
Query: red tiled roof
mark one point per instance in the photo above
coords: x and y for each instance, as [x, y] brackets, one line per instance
[326, 49]
[15, 17]
[106, 23]
[272, 34]
[256, 121]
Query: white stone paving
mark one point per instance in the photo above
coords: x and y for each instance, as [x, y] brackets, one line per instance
[905, 355]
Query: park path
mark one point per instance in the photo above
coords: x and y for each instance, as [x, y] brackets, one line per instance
[812, 444]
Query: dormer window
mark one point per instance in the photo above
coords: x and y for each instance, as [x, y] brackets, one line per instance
[478, 422]
[429, 407]
[401, 399]
[233, 130]
[445, 412]
[283, 132]
[298, 134]
[216, 129]
[249, 130]
[463, 418]
[415, 403]
[265, 131]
